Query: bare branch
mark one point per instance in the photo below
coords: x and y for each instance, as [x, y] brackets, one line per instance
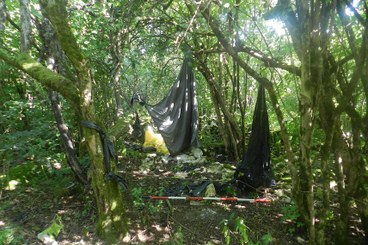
[356, 14]
[269, 62]
[262, 80]
[2, 15]
[25, 19]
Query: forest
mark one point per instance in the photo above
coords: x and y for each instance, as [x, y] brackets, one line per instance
[82, 157]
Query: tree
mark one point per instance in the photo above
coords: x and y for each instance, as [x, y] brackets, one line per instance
[78, 92]
[315, 76]
[308, 23]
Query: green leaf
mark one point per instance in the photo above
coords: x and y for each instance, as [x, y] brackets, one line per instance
[54, 229]
[266, 239]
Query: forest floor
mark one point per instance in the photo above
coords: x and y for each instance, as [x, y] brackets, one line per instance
[28, 209]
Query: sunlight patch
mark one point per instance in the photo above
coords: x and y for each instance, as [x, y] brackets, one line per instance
[116, 218]
[29, 65]
[12, 185]
[106, 223]
[350, 12]
[113, 205]
[277, 26]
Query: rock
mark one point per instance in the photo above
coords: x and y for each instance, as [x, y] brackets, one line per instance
[166, 159]
[197, 153]
[301, 240]
[208, 214]
[184, 158]
[181, 175]
[46, 239]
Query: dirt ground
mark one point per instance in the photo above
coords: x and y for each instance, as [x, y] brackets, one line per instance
[29, 210]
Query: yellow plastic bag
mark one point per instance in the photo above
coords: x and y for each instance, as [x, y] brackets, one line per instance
[154, 139]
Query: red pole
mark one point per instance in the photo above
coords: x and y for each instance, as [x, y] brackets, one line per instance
[234, 199]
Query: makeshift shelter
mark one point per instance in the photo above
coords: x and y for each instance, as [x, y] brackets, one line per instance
[176, 116]
[255, 168]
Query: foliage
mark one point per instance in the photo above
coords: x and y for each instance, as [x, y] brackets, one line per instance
[9, 235]
[292, 215]
[177, 238]
[226, 232]
[241, 232]
[54, 229]
[137, 197]
[144, 41]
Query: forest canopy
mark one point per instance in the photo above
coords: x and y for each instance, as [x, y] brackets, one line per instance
[64, 62]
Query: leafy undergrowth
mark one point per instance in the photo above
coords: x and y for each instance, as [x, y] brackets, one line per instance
[33, 196]
[201, 222]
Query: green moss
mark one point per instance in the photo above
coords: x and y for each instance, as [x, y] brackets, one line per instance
[43, 75]
[112, 224]
[58, 16]
[48, 78]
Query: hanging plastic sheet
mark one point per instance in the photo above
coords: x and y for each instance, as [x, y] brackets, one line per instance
[255, 168]
[176, 116]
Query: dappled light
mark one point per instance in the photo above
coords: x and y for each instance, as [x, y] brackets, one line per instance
[277, 26]
[183, 122]
[12, 185]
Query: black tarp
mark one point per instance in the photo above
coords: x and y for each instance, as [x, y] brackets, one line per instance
[255, 168]
[176, 116]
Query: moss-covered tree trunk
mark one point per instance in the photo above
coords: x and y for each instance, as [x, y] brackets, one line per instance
[53, 57]
[111, 220]
[112, 224]
[304, 197]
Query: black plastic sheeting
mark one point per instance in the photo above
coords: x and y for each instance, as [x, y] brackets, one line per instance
[255, 169]
[176, 116]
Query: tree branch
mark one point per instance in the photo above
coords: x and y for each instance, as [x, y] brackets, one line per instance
[356, 14]
[45, 76]
[262, 80]
[56, 12]
[18, 28]
[269, 62]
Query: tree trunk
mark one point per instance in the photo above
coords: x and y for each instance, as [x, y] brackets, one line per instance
[342, 162]
[55, 59]
[70, 153]
[2, 15]
[328, 120]
[25, 18]
[213, 23]
[304, 196]
[112, 224]
[230, 130]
